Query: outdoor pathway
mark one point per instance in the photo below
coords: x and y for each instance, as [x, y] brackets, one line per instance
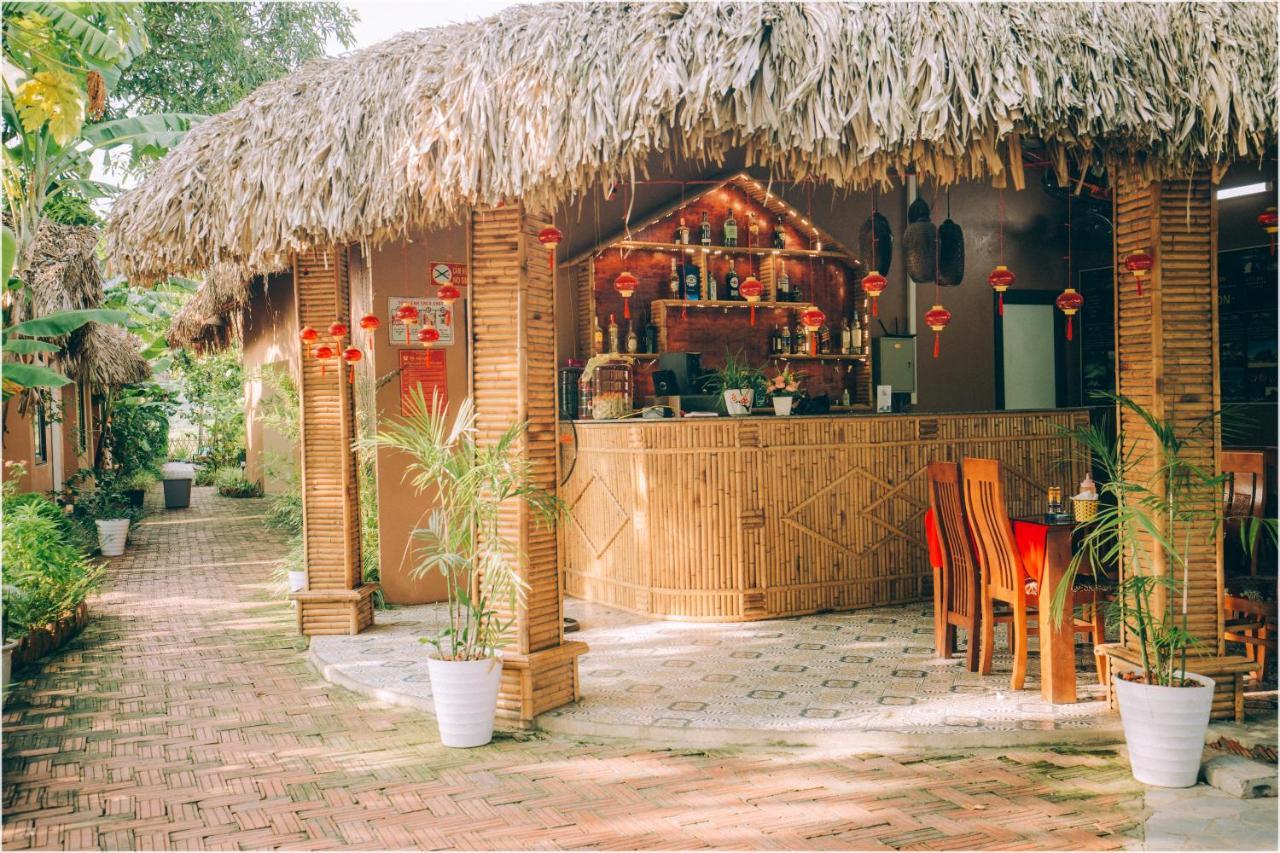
[186, 716]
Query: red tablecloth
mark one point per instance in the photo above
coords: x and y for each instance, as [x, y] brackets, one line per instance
[933, 537]
[1030, 539]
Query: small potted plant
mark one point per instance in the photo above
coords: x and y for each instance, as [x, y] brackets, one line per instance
[783, 389]
[468, 485]
[136, 484]
[737, 380]
[1153, 505]
[111, 510]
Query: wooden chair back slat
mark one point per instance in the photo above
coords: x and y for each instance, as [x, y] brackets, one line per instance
[997, 551]
[947, 501]
[1246, 486]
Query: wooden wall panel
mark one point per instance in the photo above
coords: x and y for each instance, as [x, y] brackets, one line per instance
[732, 519]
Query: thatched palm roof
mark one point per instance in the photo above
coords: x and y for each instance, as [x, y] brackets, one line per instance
[65, 275]
[212, 318]
[542, 102]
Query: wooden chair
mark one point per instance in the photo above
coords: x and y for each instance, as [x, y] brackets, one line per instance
[1252, 623]
[956, 597]
[1002, 574]
[1245, 494]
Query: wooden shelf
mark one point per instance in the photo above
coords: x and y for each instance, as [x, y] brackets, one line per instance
[729, 303]
[820, 357]
[696, 248]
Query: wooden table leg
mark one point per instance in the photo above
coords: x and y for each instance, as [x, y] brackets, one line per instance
[1057, 642]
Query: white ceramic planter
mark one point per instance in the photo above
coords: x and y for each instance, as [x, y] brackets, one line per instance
[1164, 728]
[465, 693]
[112, 535]
[782, 405]
[297, 581]
[737, 401]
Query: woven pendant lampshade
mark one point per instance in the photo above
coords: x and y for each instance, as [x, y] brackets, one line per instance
[876, 254]
[950, 254]
[918, 247]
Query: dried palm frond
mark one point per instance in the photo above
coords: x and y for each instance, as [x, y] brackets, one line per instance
[211, 320]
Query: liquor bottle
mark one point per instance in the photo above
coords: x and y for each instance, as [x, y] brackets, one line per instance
[650, 336]
[692, 285]
[779, 239]
[633, 342]
[597, 337]
[799, 341]
[784, 283]
[846, 337]
[704, 231]
[730, 229]
[713, 289]
[731, 281]
[682, 233]
[824, 339]
[613, 334]
[674, 283]
[855, 335]
[773, 340]
[844, 399]
[784, 340]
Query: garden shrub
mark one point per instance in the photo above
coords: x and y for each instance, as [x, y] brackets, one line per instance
[233, 484]
[46, 575]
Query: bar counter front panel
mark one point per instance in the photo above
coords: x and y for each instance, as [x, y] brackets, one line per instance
[731, 519]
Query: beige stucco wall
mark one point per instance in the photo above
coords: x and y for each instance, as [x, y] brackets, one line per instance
[270, 338]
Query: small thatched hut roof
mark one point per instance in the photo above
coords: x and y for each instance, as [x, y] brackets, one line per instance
[212, 319]
[65, 275]
[542, 102]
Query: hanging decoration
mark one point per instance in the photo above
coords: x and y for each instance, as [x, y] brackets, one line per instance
[550, 237]
[874, 284]
[751, 290]
[1069, 301]
[812, 320]
[1267, 220]
[351, 355]
[428, 335]
[323, 353]
[1001, 278]
[308, 336]
[937, 318]
[448, 294]
[370, 323]
[338, 330]
[875, 244]
[1140, 264]
[950, 250]
[407, 313]
[919, 243]
[625, 284]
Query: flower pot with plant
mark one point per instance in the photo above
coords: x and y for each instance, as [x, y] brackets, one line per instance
[108, 505]
[136, 484]
[1154, 505]
[467, 485]
[783, 389]
[737, 381]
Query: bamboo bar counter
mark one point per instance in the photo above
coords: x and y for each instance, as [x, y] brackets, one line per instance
[727, 519]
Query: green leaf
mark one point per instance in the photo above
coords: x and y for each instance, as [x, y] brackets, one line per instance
[29, 346]
[93, 42]
[33, 375]
[64, 322]
[8, 252]
[151, 134]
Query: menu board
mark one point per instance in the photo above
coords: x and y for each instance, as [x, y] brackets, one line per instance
[425, 367]
[1247, 325]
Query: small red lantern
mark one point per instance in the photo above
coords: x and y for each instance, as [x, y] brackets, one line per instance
[1001, 279]
[308, 336]
[370, 323]
[428, 335]
[323, 353]
[550, 237]
[448, 294]
[337, 330]
[625, 284]
[812, 320]
[351, 355]
[1269, 221]
[937, 318]
[1069, 302]
[1139, 263]
[752, 290]
[407, 314]
[873, 284]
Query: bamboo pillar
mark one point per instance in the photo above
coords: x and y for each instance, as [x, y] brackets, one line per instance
[1167, 346]
[336, 601]
[513, 376]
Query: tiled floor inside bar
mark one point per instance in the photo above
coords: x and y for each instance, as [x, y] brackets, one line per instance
[868, 674]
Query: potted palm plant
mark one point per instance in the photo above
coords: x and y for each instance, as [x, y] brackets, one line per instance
[111, 510]
[467, 484]
[737, 380]
[1154, 503]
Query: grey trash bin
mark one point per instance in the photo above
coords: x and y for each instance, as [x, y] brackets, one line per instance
[177, 485]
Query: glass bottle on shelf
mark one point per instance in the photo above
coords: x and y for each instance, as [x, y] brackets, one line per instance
[730, 229]
[633, 341]
[855, 335]
[650, 336]
[784, 282]
[713, 289]
[731, 281]
[613, 333]
[674, 283]
[846, 337]
[682, 233]
[597, 337]
[824, 339]
[704, 230]
[844, 399]
[784, 340]
[799, 341]
[692, 284]
[779, 239]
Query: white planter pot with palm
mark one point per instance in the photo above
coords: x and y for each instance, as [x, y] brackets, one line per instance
[1150, 522]
[113, 533]
[736, 381]
[461, 538]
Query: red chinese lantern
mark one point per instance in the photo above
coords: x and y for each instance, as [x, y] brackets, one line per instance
[1268, 221]
[873, 284]
[406, 313]
[1001, 279]
[337, 330]
[351, 355]
[323, 353]
[812, 320]
[308, 336]
[752, 290]
[1069, 302]
[1139, 263]
[625, 284]
[550, 237]
[448, 294]
[428, 335]
[937, 318]
[370, 323]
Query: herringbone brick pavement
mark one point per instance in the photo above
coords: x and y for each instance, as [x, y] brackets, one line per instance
[185, 717]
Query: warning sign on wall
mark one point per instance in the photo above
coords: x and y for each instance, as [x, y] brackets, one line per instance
[432, 312]
[426, 368]
[443, 273]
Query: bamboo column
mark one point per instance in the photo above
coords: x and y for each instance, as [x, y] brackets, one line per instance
[336, 601]
[513, 376]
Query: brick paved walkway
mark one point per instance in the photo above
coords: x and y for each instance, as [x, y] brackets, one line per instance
[185, 716]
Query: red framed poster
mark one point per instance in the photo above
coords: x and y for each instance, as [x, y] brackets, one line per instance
[425, 367]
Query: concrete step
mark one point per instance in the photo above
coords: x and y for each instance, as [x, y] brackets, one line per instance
[1238, 776]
